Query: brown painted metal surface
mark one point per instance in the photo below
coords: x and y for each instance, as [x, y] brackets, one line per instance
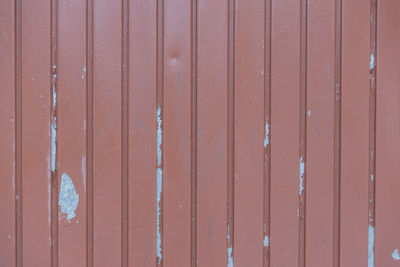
[199, 133]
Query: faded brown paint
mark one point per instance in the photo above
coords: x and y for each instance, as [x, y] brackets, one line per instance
[218, 71]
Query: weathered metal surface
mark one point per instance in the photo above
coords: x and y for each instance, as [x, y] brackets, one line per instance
[199, 133]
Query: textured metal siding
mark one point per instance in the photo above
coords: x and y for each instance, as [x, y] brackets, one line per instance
[206, 133]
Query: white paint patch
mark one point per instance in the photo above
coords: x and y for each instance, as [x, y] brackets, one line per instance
[229, 250]
[159, 182]
[395, 255]
[262, 71]
[372, 177]
[266, 241]
[371, 245]
[68, 199]
[54, 95]
[372, 62]
[266, 138]
[53, 146]
[309, 113]
[301, 176]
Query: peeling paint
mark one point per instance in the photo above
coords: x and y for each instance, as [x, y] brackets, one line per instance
[229, 250]
[301, 176]
[371, 245]
[372, 62]
[68, 199]
[266, 241]
[53, 147]
[159, 183]
[395, 255]
[266, 138]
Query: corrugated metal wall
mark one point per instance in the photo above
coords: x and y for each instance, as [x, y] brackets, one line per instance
[199, 133]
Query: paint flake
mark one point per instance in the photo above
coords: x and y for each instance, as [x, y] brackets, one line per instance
[68, 199]
[371, 245]
[372, 62]
[301, 176]
[266, 138]
[396, 255]
[266, 241]
[229, 250]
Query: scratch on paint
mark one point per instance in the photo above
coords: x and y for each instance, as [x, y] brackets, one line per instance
[53, 144]
[371, 244]
[229, 250]
[83, 171]
[266, 241]
[159, 182]
[68, 199]
[395, 255]
[301, 176]
[266, 139]
[372, 62]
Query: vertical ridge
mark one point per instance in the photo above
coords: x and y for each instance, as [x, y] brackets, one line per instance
[54, 131]
[231, 134]
[337, 132]
[194, 134]
[89, 132]
[303, 134]
[267, 145]
[372, 134]
[160, 113]
[18, 132]
[125, 131]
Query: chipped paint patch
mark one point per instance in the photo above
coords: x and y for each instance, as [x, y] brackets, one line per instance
[83, 72]
[372, 62]
[68, 199]
[266, 241]
[396, 255]
[229, 250]
[53, 146]
[372, 177]
[309, 113]
[159, 183]
[301, 176]
[266, 138]
[371, 245]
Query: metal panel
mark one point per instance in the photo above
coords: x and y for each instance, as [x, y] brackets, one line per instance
[199, 133]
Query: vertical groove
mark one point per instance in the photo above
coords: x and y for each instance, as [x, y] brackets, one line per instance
[89, 133]
[267, 144]
[372, 134]
[337, 132]
[54, 131]
[303, 135]
[18, 133]
[160, 115]
[125, 130]
[231, 134]
[193, 230]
